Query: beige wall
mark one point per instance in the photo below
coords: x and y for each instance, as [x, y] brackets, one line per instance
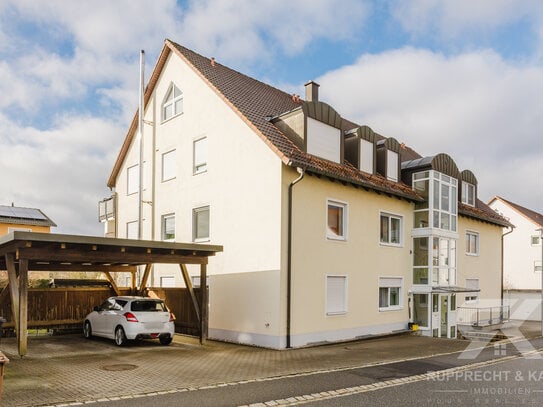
[360, 257]
[5, 227]
[487, 265]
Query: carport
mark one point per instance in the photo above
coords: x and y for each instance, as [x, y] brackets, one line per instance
[21, 252]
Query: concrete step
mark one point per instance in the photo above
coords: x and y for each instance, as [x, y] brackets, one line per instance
[483, 336]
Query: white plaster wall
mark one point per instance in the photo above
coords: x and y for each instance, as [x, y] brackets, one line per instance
[519, 254]
[242, 187]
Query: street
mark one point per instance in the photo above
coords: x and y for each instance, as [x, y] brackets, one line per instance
[516, 382]
[497, 376]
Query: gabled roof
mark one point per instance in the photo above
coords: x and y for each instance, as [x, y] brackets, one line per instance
[532, 216]
[483, 212]
[256, 103]
[24, 216]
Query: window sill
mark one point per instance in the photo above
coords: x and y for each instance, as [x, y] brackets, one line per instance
[472, 254]
[386, 309]
[334, 314]
[169, 179]
[202, 240]
[171, 118]
[199, 172]
[385, 244]
[336, 238]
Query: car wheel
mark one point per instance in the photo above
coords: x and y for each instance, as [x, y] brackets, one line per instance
[87, 330]
[120, 337]
[166, 340]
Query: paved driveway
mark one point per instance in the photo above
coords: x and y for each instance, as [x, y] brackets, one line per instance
[67, 369]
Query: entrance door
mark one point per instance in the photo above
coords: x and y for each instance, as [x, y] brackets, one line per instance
[444, 315]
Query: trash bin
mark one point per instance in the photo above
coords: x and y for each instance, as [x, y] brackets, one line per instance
[3, 361]
[413, 326]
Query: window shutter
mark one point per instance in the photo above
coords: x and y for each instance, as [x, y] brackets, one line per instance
[336, 294]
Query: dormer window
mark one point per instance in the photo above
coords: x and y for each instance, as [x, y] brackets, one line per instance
[388, 159]
[468, 193]
[323, 140]
[359, 148]
[366, 156]
[173, 103]
[392, 165]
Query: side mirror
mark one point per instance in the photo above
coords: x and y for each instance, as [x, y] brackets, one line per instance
[96, 308]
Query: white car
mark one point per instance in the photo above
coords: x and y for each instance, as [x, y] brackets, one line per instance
[124, 318]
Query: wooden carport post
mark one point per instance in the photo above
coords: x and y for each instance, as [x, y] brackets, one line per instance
[13, 289]
[203, 303]
[22, 332]
[19, 299]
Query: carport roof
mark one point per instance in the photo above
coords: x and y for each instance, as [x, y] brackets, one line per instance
[58, 252]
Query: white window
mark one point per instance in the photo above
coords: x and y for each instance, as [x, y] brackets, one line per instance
[472, 243]
[167, 281]
[536, 240]
[168, 227]
[468, 193]
[390, 293]
[336, 220]
[19, 230]
[336, 295]
[472, 284]
[132, 179]
[391, 229]
[132, 230]
[200, 155]
[537, 266]
[173, 103]
[366, 156]
[200, 224]
[168, 165]
[392, 165]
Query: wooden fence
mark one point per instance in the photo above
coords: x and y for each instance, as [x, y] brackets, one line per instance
[64, 308]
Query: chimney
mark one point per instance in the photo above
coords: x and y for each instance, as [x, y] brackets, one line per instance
[312, 91]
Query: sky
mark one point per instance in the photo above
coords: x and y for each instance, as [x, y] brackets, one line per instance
[460, 77]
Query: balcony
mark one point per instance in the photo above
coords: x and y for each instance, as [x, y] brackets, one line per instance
[106, 209]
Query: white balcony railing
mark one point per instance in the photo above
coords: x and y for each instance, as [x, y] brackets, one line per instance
[106, 209]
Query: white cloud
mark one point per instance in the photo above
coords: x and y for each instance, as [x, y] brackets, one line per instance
[453, 18]
[482, 110]
[63, 59]
[60, 171]
[249, 31]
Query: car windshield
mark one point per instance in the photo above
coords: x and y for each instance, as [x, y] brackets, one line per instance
[148, 306]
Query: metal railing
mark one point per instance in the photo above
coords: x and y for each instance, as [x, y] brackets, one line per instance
[106, 209]
[483, 316]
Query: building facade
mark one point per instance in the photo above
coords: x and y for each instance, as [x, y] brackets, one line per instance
[330, 230]
[522, 254]
[14, 218]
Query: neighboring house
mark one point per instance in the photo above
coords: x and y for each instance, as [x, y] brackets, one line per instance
[14, 218]
[522, 255]
[330, 230]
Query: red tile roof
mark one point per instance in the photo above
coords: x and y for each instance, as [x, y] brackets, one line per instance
[534, 216]
[256, 102]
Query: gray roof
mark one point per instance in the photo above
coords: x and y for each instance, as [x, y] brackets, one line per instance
[24, 216]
